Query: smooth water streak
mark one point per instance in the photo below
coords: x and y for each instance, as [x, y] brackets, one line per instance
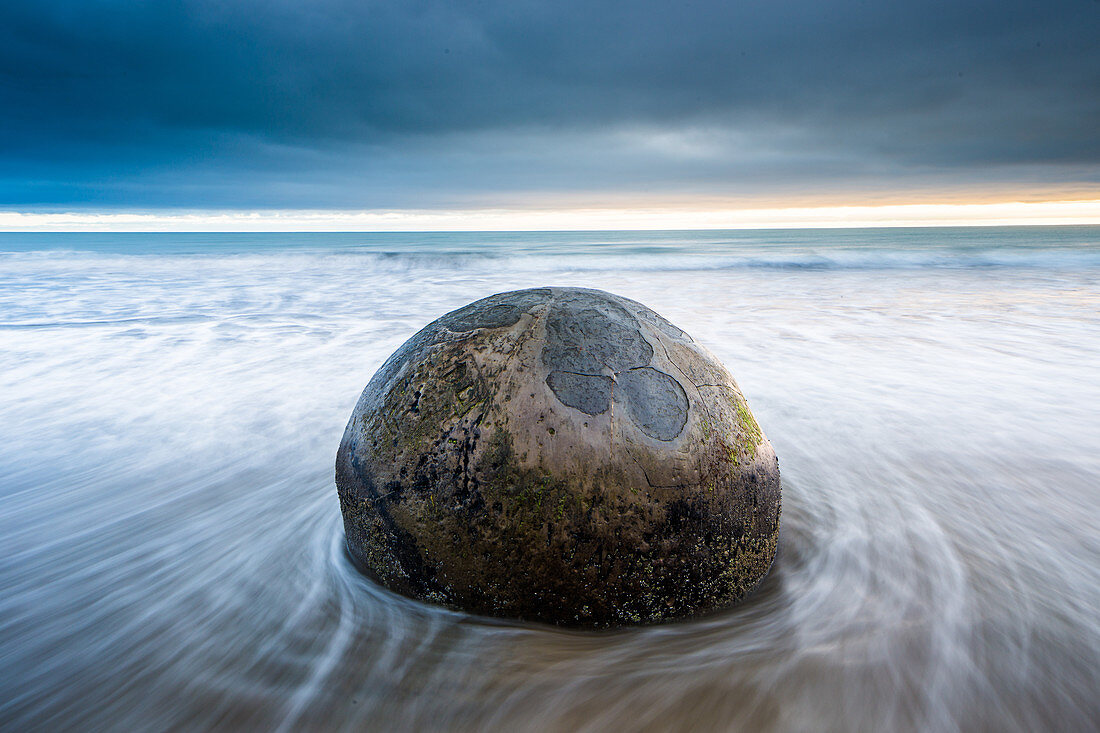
[170, 540]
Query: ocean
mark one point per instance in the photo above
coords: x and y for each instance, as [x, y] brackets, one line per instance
[171, 549]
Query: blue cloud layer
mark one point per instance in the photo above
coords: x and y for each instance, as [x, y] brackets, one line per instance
[362, 104]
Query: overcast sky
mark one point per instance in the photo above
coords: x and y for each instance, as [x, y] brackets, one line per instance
[358, 104]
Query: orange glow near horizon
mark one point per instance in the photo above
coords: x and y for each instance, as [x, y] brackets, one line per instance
[573, 218]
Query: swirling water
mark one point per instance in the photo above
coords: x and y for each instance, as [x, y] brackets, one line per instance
[170, 542]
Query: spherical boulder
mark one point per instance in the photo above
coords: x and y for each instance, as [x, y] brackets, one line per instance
[561, 455]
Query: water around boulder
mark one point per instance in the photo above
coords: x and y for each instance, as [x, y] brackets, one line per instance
[560, 455]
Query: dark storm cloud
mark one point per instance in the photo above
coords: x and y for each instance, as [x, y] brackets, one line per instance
[393, 103]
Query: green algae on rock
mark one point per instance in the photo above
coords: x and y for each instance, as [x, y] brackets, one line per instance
[560, 455]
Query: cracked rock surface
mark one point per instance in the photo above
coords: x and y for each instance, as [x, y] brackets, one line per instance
[560, 455]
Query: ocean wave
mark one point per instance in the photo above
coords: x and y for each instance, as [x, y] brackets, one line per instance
[688, 257]
[173, 542]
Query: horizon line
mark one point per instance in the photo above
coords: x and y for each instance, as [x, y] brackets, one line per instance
[649, 218]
